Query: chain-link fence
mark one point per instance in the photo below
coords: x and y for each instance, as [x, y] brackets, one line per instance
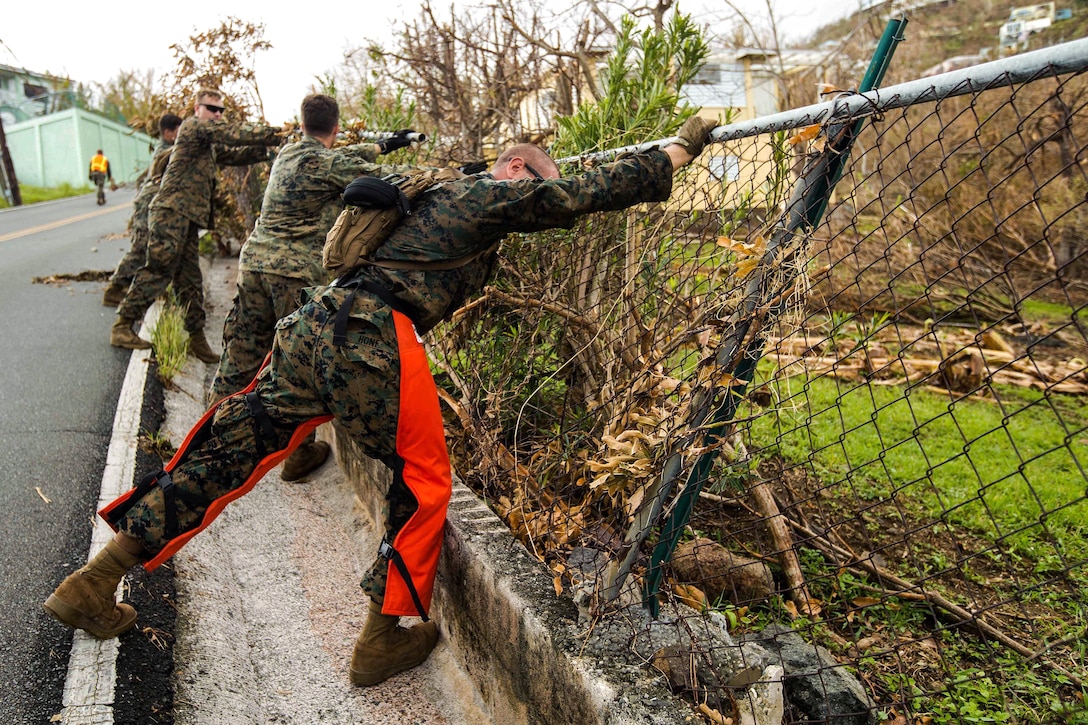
[881, 423]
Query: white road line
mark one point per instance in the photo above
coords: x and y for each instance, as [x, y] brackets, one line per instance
[92, 666]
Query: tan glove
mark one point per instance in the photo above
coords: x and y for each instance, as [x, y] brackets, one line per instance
[692, 135]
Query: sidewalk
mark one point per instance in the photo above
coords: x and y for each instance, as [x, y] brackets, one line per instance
[269, 599]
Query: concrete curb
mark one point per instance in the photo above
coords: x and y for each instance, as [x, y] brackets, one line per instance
[520, 643]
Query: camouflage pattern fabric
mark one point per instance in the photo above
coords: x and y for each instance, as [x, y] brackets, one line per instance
[359, 381]
[188, 185]
[173, 250]
[283, 253]
[183, 206]
[470, 215]
[138, 225]
[142, 203]
[259, 301]
[301, 203]
[134, 258]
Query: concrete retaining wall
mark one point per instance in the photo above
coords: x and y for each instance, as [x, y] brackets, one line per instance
[517, 639]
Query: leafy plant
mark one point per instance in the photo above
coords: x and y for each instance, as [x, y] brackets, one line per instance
[640, 89]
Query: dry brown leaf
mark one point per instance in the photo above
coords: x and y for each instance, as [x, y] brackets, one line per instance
[557, 582]
[862, 602]
[635, 500]
[805, 134]
[691, 595]
[746, 266]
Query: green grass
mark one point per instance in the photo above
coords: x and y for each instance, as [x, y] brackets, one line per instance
[1040, 311]
[169, 338]
[1012, 472]
[34, 194]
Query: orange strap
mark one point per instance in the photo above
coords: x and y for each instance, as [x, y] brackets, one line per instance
[421, 445]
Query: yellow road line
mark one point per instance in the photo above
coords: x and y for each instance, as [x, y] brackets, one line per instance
[61, 223]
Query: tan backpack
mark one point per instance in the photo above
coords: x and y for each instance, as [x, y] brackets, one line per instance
[374, 208]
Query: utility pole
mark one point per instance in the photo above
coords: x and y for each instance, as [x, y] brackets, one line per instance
[9, 168]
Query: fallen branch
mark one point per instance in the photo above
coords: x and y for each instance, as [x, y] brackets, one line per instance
[791, 565]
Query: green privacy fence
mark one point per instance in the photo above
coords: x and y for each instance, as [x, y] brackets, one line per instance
[893, 525]
[56, 149]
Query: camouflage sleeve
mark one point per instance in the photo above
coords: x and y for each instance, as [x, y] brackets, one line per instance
[225, 133]
[158, 164]
[528, 205]
[241, 155]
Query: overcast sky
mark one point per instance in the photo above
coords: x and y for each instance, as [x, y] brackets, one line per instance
[91, 41]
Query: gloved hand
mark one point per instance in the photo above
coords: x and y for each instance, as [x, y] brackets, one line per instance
[692, 135]
[398, 140]
[472, 167]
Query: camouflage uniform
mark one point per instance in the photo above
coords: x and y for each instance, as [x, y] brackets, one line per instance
[359, 382]
[183, 206]
[137, 253]
[283, 254]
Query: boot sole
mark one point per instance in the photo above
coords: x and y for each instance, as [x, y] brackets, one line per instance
[369, 678]
[68, 615]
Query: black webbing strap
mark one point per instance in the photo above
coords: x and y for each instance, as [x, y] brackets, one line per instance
[386, 550]
[340, 322]
[170, 494]
[169, 505]
[263, 429]
[140, 490]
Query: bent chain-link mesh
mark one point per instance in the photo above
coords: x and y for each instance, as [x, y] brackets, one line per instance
[903, 482]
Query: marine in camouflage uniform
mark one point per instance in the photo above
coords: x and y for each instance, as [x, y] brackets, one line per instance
[282, 256]
[359, 382]
[179, 210]
[138, 229]
[353, 352]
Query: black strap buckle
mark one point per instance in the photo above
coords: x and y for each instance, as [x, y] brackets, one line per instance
[386, 551]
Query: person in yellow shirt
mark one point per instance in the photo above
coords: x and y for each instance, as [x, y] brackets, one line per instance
[100, 173]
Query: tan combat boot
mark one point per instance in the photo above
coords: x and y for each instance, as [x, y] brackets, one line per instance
[307, 458]
[113, 295]
[200, 349]
[122, 335]
[85, 600]
[383, 649]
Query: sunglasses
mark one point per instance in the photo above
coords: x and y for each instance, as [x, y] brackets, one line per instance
[534, 172]
[214, 109]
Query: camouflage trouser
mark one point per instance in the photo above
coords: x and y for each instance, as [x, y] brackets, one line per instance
[259, 301]
[172, 256]
[358, 382]
[133, 259]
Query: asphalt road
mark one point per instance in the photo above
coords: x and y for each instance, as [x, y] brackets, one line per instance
[59, 382]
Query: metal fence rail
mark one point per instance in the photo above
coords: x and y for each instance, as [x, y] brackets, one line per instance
[894, 523]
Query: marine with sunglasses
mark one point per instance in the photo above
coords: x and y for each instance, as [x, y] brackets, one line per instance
[353, 353]
[182, 207]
